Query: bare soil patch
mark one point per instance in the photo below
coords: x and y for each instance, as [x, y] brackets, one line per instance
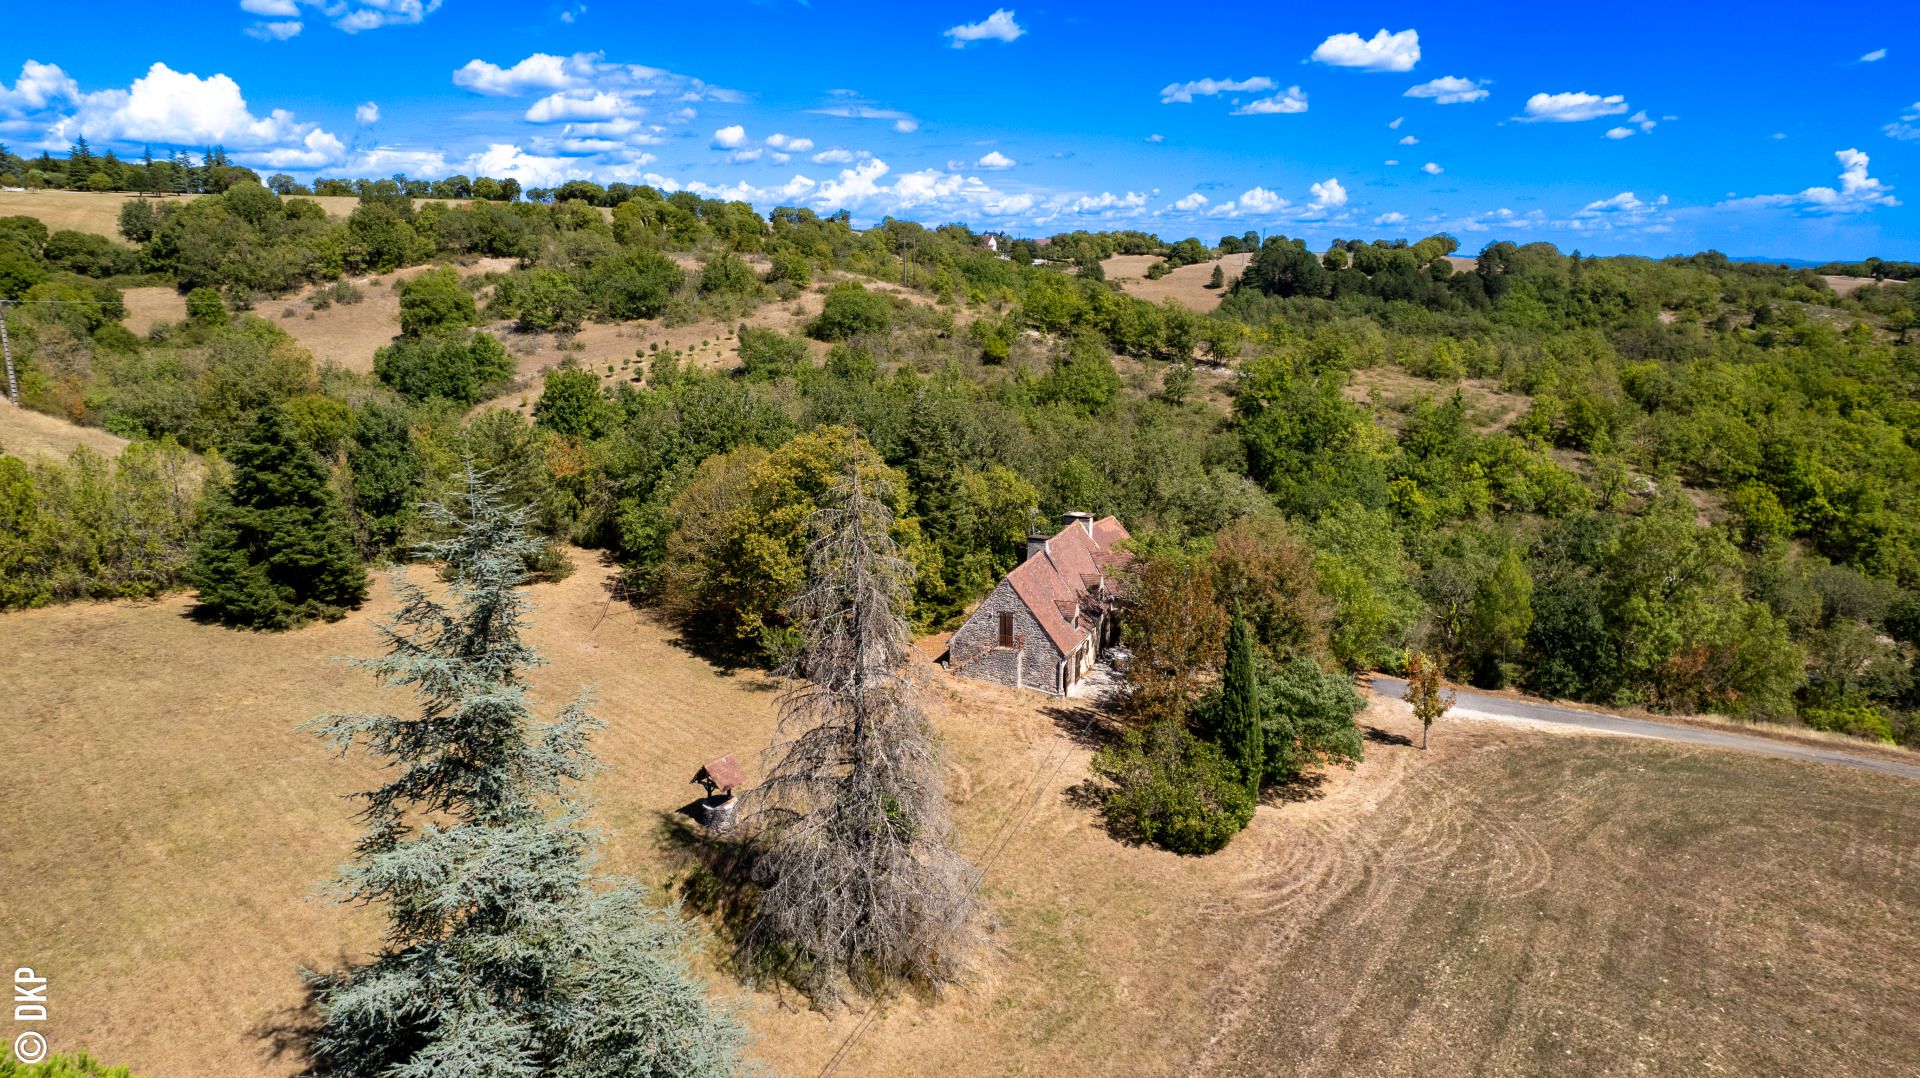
[1186, 286]
[24, 433]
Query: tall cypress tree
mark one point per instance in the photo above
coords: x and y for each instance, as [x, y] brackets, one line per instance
[273, 550]
[1239, 730]
[503, 955]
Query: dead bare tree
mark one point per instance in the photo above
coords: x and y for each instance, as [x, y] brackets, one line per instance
[859, 880]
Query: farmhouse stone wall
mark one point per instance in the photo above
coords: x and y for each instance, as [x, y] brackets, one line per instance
[1038, 667]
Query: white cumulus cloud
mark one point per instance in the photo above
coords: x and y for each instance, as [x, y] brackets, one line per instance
[1395, 218]
[176, 108]
[1261, 200]
[1431, 169]
[1875, 55]
[1186, 91]
[789, 144]
[994, 159]
[1383, 52]
[1857, 192]
[1572, 107]
[998, 26]
[1190, 203]
[1450, 90]
[368, 113]
[1409, 140]
[1619, 132]
[576, 105]
[731, 137]
[1328, 195]
[1290, 100]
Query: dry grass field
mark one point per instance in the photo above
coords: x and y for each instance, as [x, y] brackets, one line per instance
[99, 211]
[26, 433]
[1511, 901]
[1186, 286]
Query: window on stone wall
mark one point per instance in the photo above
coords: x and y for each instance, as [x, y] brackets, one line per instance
[1006, 630]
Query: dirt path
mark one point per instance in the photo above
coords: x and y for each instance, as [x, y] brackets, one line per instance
[1501, 707]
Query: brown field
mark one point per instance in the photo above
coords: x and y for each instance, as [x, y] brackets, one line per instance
[26, 433]
[1511, 901]
[1489, 407]
[99, 211]
[148, 304]
[1186, 286]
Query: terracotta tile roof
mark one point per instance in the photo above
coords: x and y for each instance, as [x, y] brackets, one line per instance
[724, 771]
[1053, 584]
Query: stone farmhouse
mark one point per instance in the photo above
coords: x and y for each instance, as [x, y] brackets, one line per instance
[1044, 625]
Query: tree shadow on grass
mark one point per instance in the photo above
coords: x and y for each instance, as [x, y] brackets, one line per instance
[1382, 737]
[1084, 724]
[1311, 786]
[288, 1032]
[711, 876]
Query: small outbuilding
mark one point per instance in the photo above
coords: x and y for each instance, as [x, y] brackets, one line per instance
[720, 775]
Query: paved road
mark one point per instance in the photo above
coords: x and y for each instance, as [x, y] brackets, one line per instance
[1533, 711]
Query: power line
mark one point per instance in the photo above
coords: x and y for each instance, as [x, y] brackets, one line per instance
[6, 347]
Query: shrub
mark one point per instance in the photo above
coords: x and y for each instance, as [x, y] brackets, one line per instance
[60, 1065]
[1172, 789]
[852, 311]
[1864, 722]
[634, 284]
[435, 302]
[541, 299]
[571, 403]
[729, 275]
[204, 307]
[447, 367]
[767, 354]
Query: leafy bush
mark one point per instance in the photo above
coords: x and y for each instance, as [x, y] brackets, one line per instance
[60, 1065]
[205, 308]
[633, 284]
[541, 299]
[435, 302]
[1306, 718]
[1863, 722]
[571, 403]
[1173, 789]
[767, 354]
[852, 311]
[727, 274]
[447, 367]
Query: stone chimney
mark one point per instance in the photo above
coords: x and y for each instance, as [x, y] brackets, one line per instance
[1085, 520]
[1036, 545]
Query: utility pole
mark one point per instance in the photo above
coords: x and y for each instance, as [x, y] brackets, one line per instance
[6, 348]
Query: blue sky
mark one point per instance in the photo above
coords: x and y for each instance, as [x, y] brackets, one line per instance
[1754, 129]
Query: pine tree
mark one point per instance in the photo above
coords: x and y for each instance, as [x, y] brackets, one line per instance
[1239, 730]
[273, 550]
[859, 878]
[503, 954]
[1219, 278]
